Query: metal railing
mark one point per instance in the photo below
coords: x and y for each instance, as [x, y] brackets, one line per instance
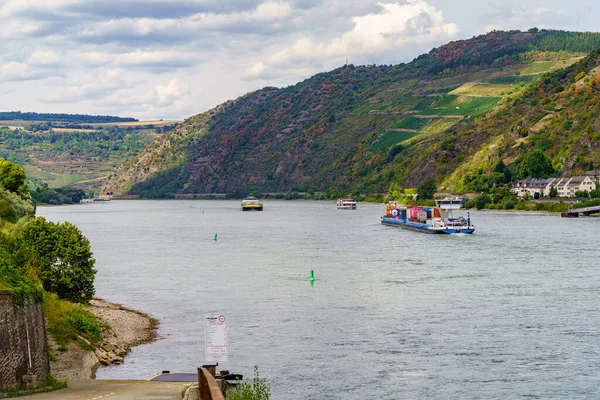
[207, 384]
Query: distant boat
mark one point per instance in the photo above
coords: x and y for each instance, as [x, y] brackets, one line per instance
[96, 200]
[251, 204]
[346, 204]
[429, 219]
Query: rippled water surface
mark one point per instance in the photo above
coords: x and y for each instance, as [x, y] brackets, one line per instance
[509, 312]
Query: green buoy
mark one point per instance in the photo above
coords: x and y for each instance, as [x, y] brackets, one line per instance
[215, 237]
[312, 276]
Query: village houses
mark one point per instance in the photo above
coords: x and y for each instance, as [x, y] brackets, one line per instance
[565, 187]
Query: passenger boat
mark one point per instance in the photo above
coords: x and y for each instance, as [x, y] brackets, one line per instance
[437, 219]
[346, 204]
[251, 204]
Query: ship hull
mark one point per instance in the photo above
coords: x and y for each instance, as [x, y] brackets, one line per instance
[252, 208]
[424, 228]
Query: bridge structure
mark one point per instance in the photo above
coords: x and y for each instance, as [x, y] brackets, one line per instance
[574, 212]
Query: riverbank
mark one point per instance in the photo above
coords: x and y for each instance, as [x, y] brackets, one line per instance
[124, 329]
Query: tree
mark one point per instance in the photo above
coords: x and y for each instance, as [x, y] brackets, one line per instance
[13, 206]
[62, 257]
[482, 201]
[553, 192]
[12, 178]
[537, 165]
[426, 190]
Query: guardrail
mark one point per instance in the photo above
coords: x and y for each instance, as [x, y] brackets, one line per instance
[207, 384]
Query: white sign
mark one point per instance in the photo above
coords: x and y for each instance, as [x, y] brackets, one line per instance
[215, 329]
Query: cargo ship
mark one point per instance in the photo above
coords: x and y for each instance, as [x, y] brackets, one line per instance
[251, 204]
[437, 220]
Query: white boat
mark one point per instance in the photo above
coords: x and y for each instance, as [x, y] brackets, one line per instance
[346, 204]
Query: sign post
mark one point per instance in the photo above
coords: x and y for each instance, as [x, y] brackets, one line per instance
[215, 330]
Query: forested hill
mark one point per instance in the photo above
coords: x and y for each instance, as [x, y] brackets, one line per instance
[74, 118]
[358, 129]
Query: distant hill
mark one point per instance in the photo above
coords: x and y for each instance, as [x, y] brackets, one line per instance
[74, 118]
[358, 129]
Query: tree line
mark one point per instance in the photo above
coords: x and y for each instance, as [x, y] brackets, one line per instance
[77, 118]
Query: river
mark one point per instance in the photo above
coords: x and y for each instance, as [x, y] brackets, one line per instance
[509, 312]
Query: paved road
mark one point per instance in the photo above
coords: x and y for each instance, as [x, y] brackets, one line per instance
[115, 390]
[176, 377]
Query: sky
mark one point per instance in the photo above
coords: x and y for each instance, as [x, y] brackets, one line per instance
[152, 59]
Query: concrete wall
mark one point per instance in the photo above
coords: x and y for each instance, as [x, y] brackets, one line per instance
[23, 345]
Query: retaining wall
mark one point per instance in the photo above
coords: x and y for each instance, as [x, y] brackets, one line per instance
[23, 344]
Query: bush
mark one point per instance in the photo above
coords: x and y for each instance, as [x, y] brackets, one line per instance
[257, 389]
[67, 321]
[482, 201]
[509, 205]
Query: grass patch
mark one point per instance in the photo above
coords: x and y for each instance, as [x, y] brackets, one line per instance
[439, 125]
[425, 103]
[391, 138]
[69, 322]
[54, 180]
[512, 79]
[462, 105]
[448, 89]
[411, 122]
[484, 89]
[539, 67]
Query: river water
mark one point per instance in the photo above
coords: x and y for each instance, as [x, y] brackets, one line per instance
[509, 312]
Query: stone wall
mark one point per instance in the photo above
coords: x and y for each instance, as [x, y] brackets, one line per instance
[23, 345]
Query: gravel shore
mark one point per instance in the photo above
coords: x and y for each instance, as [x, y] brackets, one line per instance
[128, 328]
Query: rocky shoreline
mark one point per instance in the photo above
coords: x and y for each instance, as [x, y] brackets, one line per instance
[128, 328]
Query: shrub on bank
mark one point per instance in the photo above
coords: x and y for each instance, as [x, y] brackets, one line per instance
[255, 389]
[69, 322]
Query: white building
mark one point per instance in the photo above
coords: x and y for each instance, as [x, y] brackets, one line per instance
[565, 187]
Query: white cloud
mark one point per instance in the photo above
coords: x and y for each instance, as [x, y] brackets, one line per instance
[161, 100]
[157, 59]
[92, 86]
[44, 58]
[175, 91]
[171, 30]
[395, 26]
[507, 18]
[13, 29]
[18, 71]
[12, 8]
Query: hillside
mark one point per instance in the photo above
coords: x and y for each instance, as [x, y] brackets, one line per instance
[357, 128]
[66, 156]
[558, 116]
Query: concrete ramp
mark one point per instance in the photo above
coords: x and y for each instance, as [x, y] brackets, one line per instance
[93, 389]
